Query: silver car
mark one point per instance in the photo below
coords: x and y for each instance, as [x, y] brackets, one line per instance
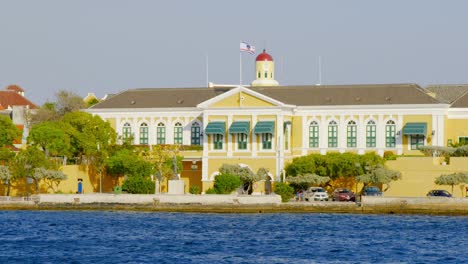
[316, 194]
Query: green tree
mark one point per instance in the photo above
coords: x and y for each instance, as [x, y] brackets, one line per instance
[379, 175]
[68, 102]
[8, 131]
[87, 132]
[246, 175]
[452, 179]
[51, 137]
[26, 161]
[302, 182]
[128, 163]
[285, 191]
[5, 177]
[226, 183]
[53, 179]
[138, 185]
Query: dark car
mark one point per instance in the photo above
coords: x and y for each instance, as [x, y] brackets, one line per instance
[440, 193]
[371, 191]
[342, 194]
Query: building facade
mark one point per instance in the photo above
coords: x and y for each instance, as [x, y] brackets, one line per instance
[267, 125]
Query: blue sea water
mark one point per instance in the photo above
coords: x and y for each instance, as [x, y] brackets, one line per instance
[147, 237]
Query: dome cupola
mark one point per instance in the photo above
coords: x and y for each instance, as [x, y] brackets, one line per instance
[264, 70]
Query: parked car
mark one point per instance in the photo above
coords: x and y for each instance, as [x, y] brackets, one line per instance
[343, 194]
[439, 193]
[371, 191]
[316, 194]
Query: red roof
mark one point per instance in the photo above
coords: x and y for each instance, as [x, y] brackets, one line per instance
[11, 98]
[15, 88]
[264, 57]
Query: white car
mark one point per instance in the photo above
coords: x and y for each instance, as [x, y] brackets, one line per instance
[316, 194]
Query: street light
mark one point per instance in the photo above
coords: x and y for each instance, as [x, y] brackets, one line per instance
[100, 173]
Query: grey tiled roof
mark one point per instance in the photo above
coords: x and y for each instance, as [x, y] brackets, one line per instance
[461, 102]
[448, 93]
[312, 95]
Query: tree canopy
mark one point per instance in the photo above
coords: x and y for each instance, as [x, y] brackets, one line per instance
[8, 131]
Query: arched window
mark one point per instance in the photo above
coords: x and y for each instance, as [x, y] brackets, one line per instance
[161, 134]
[266, 74]
[351, 134]
[259, 75]
[332, 134]
[178, 133]
[195, 134]
[390, 132]
[126, 131]
[143, 134]
[371, 134]
[313, 135]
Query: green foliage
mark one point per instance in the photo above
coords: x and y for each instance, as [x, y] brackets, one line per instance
[194, 189]
[379, 175]
[246, 175]
[162, 158]
[87, 132]
[210, 191]
[285, 191]
[52, 177]
[138, 185]
[333, 165]
[8, 131]
[92, 102]
[461, 151]
[389, 155]
[226, 183]
[129, 163]
[6, 155]
[52, 137]
[301, 182]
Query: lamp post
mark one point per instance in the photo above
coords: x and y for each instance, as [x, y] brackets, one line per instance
[100, 171]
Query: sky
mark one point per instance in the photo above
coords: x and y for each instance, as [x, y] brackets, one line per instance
[108, 46]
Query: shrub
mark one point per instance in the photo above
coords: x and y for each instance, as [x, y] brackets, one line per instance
[389, 155]
[194, 189]
[285, 191]
[226, 183]
[137, 184]
[210, 191]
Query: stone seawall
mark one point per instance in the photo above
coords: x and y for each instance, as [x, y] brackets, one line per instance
[239, 204]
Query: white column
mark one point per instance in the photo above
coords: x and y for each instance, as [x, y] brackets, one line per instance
[205, 148]
[229, 136]
[254, 137]
[440, 131]
[361, 135]
[342, 134]
[399, 138]
[380, 135]
[279, 145]
[151, 132]
[305, 136]
[323, 135]
[186, 131]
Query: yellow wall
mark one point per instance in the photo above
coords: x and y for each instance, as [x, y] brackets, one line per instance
[296, 133]
[455, 128]
[419, 173]
[231, 101]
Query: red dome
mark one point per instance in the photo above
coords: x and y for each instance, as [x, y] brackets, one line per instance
[264, 57]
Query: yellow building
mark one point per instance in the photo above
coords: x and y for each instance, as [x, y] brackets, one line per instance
[267, 125]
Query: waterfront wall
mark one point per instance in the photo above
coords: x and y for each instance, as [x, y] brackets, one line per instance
[156, 199]
[419, 174]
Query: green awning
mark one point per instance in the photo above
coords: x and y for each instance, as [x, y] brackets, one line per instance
[264, 127]
[215, 128]
[415, 129]
[240, 127]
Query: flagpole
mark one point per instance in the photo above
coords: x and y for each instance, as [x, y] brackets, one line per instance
[206, 61]
[240, 68]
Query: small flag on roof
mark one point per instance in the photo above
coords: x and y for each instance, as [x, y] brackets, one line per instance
[247, 47]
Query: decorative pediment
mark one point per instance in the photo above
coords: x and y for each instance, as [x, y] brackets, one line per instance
[241, 97]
